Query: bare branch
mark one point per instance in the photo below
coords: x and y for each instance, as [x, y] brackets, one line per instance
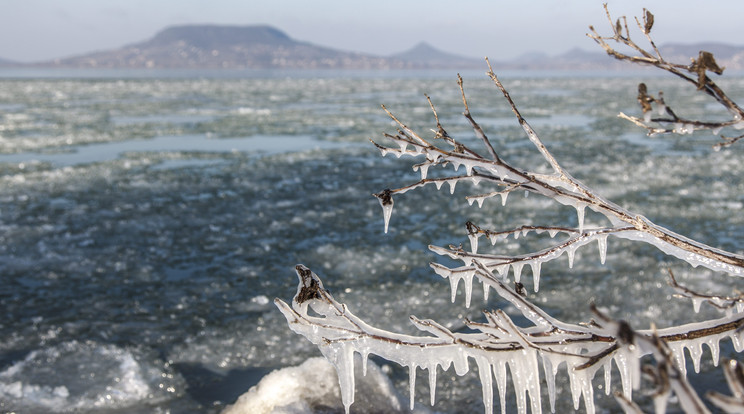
[695, 73]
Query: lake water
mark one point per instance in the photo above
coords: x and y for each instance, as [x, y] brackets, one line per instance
[147, 221]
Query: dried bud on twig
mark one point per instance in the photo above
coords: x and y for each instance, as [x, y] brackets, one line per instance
[704, 62]
[648, 21]
[643, 98]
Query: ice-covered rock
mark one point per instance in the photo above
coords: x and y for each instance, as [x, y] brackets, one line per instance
[313, 386]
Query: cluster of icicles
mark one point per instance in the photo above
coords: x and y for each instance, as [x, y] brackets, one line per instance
[496, 345]
[499, 343]
[502, 174]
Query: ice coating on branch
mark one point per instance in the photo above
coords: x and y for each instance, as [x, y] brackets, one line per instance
[493, 346]
[692, 258]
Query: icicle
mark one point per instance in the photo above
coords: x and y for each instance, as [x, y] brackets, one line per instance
[503, 195]
[552, 232]
[550, 372]
[387, 211]
[499, 372]
[438, 183]
[696, 304]
[627, 359]
[455, 164]
[468, 288]
[517, 267]
[575, 387]
[411, 384]
[570, 251]
[403, 146]
[496, 237]
[714, 351]
[602, 244]
[454, 281]
[365, 357]
[480, 202]
[469, 168]
[502, 269]
[580, 213]
[535, 264]
[473, 242]
[423, 169]
[523, 366]
[736, 340]
[432, 383]
[607, 376]
[486, 290]
[452, 184]
[484, 371]
[580, 382]
[342, 358]
[678, 351]
[696, 352]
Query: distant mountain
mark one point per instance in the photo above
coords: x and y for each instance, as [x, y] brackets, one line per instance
[6, 62]
[265, 47]
[721, 51]
[426, 55]
[732, 57]
[229, 47]
[729, 56]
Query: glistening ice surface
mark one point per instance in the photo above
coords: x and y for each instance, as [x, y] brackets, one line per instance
[147, 224]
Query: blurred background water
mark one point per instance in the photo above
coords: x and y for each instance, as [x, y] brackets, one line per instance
[149, 219]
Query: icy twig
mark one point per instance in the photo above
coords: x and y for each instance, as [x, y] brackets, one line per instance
[725, 303]
[498, 342]
[734, 403]
[694, 73]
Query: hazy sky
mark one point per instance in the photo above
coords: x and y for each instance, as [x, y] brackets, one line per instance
[32, 30]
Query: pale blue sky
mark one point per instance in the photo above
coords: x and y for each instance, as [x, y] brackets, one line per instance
[32, 30]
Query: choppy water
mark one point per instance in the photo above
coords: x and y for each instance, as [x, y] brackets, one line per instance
[147, 222]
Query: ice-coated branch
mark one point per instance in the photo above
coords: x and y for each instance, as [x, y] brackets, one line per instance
[729, 304]
[499, 343]
[559, 186]
[734, 403]
[695, 73]
[496, 342]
